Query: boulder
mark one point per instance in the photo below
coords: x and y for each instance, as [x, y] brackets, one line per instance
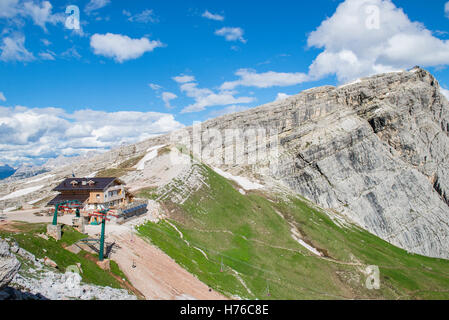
[50, 263]
[9, 265]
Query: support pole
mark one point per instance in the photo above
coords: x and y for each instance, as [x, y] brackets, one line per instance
[103, 225]
[55, 215]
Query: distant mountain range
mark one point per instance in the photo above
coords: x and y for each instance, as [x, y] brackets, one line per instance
[28, 171]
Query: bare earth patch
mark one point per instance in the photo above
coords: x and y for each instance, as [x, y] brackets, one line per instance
[156, 275]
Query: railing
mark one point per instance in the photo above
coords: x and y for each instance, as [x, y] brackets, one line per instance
[133, 209]
[113, 188]
[113, 198]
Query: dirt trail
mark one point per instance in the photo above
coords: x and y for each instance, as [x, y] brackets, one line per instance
[156, 275]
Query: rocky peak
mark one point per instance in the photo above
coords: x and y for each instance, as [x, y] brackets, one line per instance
[375, 150]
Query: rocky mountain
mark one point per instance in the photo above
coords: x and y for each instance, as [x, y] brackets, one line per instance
[31, 279]
[28, 171]
[374, 151]
[292, 199]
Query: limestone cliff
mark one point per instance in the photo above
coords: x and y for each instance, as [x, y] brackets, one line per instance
[375, 150]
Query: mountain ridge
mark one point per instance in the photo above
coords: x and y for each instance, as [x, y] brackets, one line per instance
[373, 150]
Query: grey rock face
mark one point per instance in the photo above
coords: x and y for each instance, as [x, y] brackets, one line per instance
[9, 265]
[376, 150]
[46, 283]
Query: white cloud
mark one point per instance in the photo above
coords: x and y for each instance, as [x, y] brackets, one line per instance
[231, 34]
[206, 98]
[446, 9]
[120, 47]
[365, 37]
[184, 79]
[71, 53]
[282, 96]
[445, 92]
[8, 8]
[167, 97]
[95, 5]
[250, 78]
[212, 16]
[154, 86]
[47, 55]
[13, 49]
[41, 13]
[2, 96]
[30, 135]
[46, 42]
[143, 17]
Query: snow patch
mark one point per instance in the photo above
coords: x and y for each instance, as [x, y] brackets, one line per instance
[350, 83]
[21, 192]
[152, 153]
[295, 235]
[35, 201]
[242, 181]
[92, 175]
[41, 178]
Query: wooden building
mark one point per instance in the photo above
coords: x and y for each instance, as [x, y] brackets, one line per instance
[94, 193]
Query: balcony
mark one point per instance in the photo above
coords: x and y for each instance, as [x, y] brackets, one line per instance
[113, 198]
[114, 188]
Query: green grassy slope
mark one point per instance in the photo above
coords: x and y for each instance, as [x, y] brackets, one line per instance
[27, 236]
[241, 245]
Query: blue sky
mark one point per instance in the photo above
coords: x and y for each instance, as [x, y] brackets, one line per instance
[139, 68]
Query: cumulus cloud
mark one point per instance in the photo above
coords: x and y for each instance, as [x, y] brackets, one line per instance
[143, 17]
[206, 97]
[362, 38]
[184, 79]
[212, 16]
[95, 5]
[281, 96]
[41, 14]
[250, 78]
[36, 134]
[2, 96]
[446, 9]
[13, 49]
[231, 34]
[120, 47]
[167, 97]
[8, 8]
[365, 37]
[445, 92]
